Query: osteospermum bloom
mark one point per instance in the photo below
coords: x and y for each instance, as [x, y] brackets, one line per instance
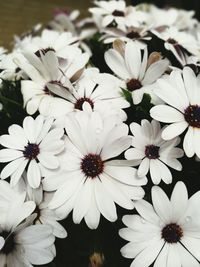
[138, 77]
[92, 89]
[167, 233]
[180, 90]
[24, 244]
[90, 180]
[33, 146]
[42, 92]
[153, 152]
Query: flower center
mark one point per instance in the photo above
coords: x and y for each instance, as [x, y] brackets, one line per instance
[9, 245]
[192, 115]
[31, 151]
[172, 41]
[133, 35]
[133, 85]
[80, 101]
[172, 233]
[152, 152]
[118, 13]
[43, 51]
[92, 165]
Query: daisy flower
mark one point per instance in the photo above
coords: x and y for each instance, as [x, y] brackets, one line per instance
[44, 72]
[180, 90]
[63, 43]
[138, 77]
[92, 89]
[138, 35]
[24, 244]
[45, 216]
[165, 233]
[112, 11]
[91, 181]
[177, 42]
[33, 146]
[153, 152]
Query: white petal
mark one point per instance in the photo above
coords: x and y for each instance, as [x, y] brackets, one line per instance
[161, 204]
[104, 202]
[166, 113]
[48, 160]
[188, 143]
[174, 130]
[83, 200]
[34, 174]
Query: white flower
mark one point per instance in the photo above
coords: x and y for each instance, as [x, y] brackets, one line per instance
[153, 152]
[63, 44]
[24, 244]
[92, 89]
[180, 90]
[44, 71]
[167, 233]
[138, 73]
[34, 146]
[177, 41]
[45, 216]
[90, 180]
[110, 11]
[138, 35]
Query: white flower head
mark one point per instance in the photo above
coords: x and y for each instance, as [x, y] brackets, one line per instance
[33, 146]
[165, 233]
[91, 180]
[22, 244]
[49, 84]
[101, 91]
[177, 42]
[180, 91]
[154, 152]
[61, 43]
[138, 72]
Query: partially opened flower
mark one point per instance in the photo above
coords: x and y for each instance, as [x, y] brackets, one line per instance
[91, 181]
[165, 233]
[153, 152]
[180, 91]
[133, 66]
[178, 42]
[33, 146]
[44, 71]
[24, 244]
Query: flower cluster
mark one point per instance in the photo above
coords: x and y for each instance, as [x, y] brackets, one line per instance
[100, 113]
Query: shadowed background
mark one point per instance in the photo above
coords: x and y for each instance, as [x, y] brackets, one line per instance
[18, 16]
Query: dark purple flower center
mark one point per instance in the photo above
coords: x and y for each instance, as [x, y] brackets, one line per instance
[92, 165]
[118, 13]
[172, 233]
[31, 151]
[43, 51]
[9, 245]
[133, 35]
[192, 115]
[152, 152]
[133, 85]
[172, 41]
[79, 103]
